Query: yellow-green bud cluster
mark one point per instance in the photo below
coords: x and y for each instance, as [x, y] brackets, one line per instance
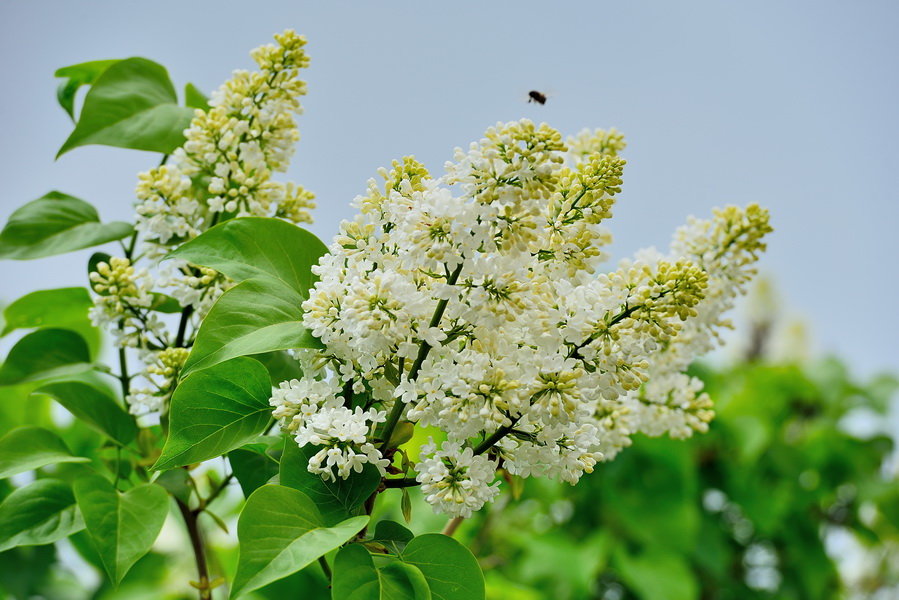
[725, 247]
[169, 362]
[225, 169]
[114, 278]
[590, 143]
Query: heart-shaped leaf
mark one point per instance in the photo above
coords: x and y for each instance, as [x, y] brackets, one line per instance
[256, 247]
[357, 578]
[95, 407]
[29, 448]
[55, 224]
[402, 581]
[45, 354]
[40, 513]
[392, 535]
[451, 570]
[132, 104]
[122, 526]
[336, 500]
[281, 366]
[215, 411]
[76, 76]
[194, 98]
[255, 316]
[280, 532]
[64, 308]
[253, 468]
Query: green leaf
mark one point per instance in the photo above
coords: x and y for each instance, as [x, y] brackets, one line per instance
[194, 98]
[40, 513]
[85, 73]
[336, 500]
[29, 448]
[402, 581]
[392, 535]
[252, 469]
[47, 308]
[215, 411]
[63, 308]
[45, 354]
[356, 578]
[25, 571]
[95, 407]
[122, 527]
[177, 483]
[256, 247]
[280, 532]
[448, 566]
[272, 262]
[131, 105]
[255, 316]
[55, 224]
[281, 366]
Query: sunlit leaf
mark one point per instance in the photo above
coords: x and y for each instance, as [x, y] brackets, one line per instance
[39, 513]
[122, 526]
[64, 308]
[215, 411]
[336, 499]
[76, 76]
[94, 406]
[29, 448]
[255, 316]
[45, 354]
[280, 532]
[56, 223]
[132, 104]
[254, 248]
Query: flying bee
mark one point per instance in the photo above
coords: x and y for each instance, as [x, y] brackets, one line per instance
[536, 97]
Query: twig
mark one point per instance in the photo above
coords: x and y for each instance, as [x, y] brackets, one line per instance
[196, 541]
[452, 525]
[325, 567]
[401, 482]
[182, 325]
[214, 493]
[423, 351]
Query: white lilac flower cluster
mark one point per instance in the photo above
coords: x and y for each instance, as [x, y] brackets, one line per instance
[473, 303]
[725, 247]
[224, 169]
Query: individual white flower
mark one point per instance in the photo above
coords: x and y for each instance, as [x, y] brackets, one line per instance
[343, 433]
[297, 400]
[559, 452]
[455, 481]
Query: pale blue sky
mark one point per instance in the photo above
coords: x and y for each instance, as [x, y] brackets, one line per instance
[791, 104]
